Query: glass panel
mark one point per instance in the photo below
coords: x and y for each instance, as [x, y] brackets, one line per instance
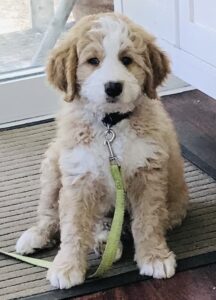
[24, 23]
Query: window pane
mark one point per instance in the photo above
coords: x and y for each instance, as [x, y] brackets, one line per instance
[23, 24]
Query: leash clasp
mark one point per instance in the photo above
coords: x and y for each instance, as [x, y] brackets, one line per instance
[109, 138]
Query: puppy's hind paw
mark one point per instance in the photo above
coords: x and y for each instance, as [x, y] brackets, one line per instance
[100, 244]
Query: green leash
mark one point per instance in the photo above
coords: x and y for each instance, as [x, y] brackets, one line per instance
[114, 236]
[30, 260]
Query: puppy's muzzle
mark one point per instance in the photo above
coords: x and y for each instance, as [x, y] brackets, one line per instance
[113, 90]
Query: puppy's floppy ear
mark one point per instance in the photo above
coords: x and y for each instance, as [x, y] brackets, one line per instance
[158, 68]
[61, 70]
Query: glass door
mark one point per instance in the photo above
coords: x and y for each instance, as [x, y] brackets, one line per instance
[28, 30]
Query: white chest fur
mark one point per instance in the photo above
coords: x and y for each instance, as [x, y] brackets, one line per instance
[132, 152]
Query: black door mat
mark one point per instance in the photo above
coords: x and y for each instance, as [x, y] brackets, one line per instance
[21, 151]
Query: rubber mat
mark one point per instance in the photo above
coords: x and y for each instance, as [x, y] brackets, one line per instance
[21, 152]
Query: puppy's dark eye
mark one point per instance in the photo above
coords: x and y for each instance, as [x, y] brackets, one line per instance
[126, 60]
[93, 61]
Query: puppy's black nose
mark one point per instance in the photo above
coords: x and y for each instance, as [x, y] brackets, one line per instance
[113, 88]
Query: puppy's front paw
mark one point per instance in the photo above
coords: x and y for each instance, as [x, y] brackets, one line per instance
[30, 240]
[159, 268]
[64, 274]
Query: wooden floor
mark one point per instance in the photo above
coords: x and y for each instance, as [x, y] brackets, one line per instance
[194, 115]
[198, 284]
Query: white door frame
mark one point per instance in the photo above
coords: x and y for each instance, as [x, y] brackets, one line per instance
[25, 95]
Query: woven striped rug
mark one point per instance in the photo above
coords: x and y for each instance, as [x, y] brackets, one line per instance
[21, 152]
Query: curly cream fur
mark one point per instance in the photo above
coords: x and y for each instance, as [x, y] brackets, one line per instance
[77, 188]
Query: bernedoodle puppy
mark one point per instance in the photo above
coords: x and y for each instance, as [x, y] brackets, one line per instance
[108, 69]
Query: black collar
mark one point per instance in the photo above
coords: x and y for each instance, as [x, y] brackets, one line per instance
[114, 118]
